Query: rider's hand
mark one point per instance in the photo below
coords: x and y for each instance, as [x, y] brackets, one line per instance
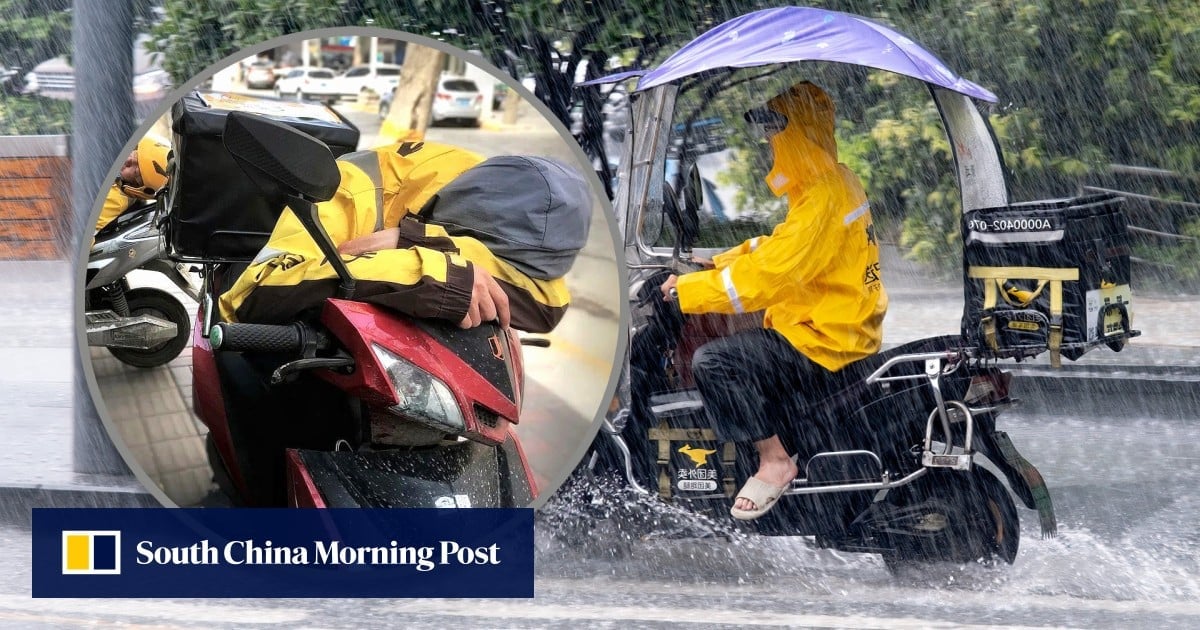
[374, 242]
[488, 301]
[667, 286]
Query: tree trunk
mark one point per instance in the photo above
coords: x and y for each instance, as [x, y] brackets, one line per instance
[411, 108]
[512, 101]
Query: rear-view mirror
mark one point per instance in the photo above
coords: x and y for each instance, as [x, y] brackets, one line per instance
[281, 159]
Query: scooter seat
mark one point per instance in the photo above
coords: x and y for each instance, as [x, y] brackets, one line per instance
[836, 396]
[846, 390]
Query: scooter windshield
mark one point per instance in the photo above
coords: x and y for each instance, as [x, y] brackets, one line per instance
[714, 157]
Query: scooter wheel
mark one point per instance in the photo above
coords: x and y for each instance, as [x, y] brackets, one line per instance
[161, 304]
[954, 517]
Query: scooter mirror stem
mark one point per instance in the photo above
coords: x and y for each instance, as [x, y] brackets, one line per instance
[306, 212]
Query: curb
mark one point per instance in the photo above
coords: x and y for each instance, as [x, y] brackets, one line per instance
[20, 499]
[1085, 396]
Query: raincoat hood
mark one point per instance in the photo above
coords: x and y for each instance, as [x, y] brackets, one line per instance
[806, 149]
[532, 212]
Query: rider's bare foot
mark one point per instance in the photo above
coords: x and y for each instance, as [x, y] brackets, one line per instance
[777, 471]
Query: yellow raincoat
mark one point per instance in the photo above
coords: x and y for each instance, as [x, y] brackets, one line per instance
[429, 273]
[152, 154]
[817, 274]
[115, 203]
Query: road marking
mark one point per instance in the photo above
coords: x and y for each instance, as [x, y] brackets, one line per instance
[495, 610]
[88, 621]
[980, 600]
[157, 610]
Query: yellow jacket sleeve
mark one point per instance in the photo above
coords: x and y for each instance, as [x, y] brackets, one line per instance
[726, 257]
[755, 279]
[115, 202]
[536, 305]
[428, 274]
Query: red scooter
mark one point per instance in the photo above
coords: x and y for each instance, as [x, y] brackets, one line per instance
[363, 407]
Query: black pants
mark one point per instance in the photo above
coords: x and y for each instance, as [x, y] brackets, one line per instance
[753, 384]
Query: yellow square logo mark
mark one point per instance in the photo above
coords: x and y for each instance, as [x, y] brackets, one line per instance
[91, 552]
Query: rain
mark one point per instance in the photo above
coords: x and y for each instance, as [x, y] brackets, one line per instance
[1101, 99]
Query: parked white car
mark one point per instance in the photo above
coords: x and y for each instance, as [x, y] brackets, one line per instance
[55, 78]
[355, 82]
[307, 83]
[457, 98]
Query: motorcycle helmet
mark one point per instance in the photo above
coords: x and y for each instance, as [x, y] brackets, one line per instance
[152, 155]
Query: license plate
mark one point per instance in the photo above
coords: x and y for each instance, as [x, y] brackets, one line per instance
[960, 461]
[463, 100]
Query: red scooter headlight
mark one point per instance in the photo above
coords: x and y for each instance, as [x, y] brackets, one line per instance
[421, 396]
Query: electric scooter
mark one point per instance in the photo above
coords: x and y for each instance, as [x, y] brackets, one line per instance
[900, 454]
[143, 327]
[361, 407]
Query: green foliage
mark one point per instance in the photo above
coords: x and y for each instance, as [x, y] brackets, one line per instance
[1105, 83]
[197, 33]
[34, 115]
[33, 31]
[1181, 257]
[727, 232]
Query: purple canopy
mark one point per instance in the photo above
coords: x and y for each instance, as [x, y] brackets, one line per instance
[805, 34]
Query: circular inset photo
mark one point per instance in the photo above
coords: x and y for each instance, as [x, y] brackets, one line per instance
[353, 268]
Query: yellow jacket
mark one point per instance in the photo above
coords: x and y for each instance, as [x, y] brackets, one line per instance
[429, 274]
[115, 202]
[817, 274]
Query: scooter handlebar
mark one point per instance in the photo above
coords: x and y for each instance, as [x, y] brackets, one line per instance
[272, 338]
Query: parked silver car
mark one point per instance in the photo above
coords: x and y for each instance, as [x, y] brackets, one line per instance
[260, 75]
[457, 98]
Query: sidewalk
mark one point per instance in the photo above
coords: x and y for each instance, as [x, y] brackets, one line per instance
[37, 348]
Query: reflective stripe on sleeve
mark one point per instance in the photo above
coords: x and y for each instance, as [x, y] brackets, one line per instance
[857, 213]
[731, 291]
[265, 254]
[754, 243]
[368, 163]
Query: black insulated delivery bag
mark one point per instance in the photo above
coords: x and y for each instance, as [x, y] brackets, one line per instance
[216, 213]
[1047, 276]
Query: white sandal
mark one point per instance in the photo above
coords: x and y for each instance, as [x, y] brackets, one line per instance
[762, 494]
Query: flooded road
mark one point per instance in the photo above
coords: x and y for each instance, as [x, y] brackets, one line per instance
[1123, 487]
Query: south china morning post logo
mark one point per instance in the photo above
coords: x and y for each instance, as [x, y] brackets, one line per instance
[89, 552]
[360, 552]
[98, 553]
[319, 553]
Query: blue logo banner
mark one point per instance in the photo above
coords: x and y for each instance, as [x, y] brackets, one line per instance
[160, 552]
